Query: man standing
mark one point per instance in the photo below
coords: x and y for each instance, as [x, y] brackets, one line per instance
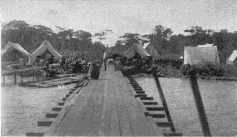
[105, 57]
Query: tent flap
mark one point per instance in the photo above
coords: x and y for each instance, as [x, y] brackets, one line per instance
[136, 48]
[233, 56]
[150, 49]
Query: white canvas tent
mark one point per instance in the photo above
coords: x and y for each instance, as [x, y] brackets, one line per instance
[233, 58]
[136, 48]
[201, 55]
[206, 45]
[11, 46]
[150, 49]
[46, 46]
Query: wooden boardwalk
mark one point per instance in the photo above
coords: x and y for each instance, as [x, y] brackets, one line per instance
[106, 107]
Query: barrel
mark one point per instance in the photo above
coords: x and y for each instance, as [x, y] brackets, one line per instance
[95, 71]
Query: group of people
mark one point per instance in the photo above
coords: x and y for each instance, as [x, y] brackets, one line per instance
[134, 65]
[69, 65]
[138, 65]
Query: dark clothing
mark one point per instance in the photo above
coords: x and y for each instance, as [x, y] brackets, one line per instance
[105, 63]
[77, 68]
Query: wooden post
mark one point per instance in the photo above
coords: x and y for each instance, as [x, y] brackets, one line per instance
[33, 75]
[21, 78]
[199, 104]
[162, 97]
[3, 79]
[15, 77]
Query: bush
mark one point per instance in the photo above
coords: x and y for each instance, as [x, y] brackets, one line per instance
[231, 70]
[206, 70]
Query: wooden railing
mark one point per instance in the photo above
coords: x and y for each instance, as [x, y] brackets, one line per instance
[20, 73]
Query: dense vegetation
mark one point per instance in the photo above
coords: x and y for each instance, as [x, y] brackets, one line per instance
[166, 43]
[65, 41]
[68, 41]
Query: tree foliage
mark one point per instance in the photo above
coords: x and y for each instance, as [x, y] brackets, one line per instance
[166, 43]
[30, 37]
[68, 41]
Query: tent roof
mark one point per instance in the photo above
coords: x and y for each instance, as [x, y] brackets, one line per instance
[146, 44]
[150, 49]
[233, 56]
[136, 48]
[16, 46]
[201, 55]
[206, 45]
[46, 46]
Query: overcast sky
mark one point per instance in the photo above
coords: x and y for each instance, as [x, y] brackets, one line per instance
[121, 16]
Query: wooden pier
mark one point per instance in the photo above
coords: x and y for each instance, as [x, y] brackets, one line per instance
[104, 107]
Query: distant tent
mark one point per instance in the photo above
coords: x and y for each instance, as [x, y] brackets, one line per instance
[201, 55]
[44, 48]
[11, 46]
[136, 48]
[206, 45]
[150, 49]
[232, 60]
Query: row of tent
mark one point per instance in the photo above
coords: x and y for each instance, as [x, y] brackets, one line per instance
[45, 47]
[192, 55]
[207, 53]
[144, 51]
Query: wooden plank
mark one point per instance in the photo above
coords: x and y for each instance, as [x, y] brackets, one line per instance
[114, 121]
[95, 122]
[74, 115]
[126, 129]
[83, 125]
[106, 107]
[139, 127]
[106, 111]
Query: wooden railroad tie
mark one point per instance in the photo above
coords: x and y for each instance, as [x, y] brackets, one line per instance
[150, 103]
[56, 109]
[172, 134]
[61, 103]
[155, 115]
[155, 108]
[44, 123]
[51, 115]
[34, 134]
[147, 98]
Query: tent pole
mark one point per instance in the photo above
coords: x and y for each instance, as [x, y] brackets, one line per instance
[15, 77]
[21, 78]
[33, 75]
[3, 79]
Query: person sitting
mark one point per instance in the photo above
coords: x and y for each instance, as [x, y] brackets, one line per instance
[77, 67]
[123, 61]
[62, 62]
